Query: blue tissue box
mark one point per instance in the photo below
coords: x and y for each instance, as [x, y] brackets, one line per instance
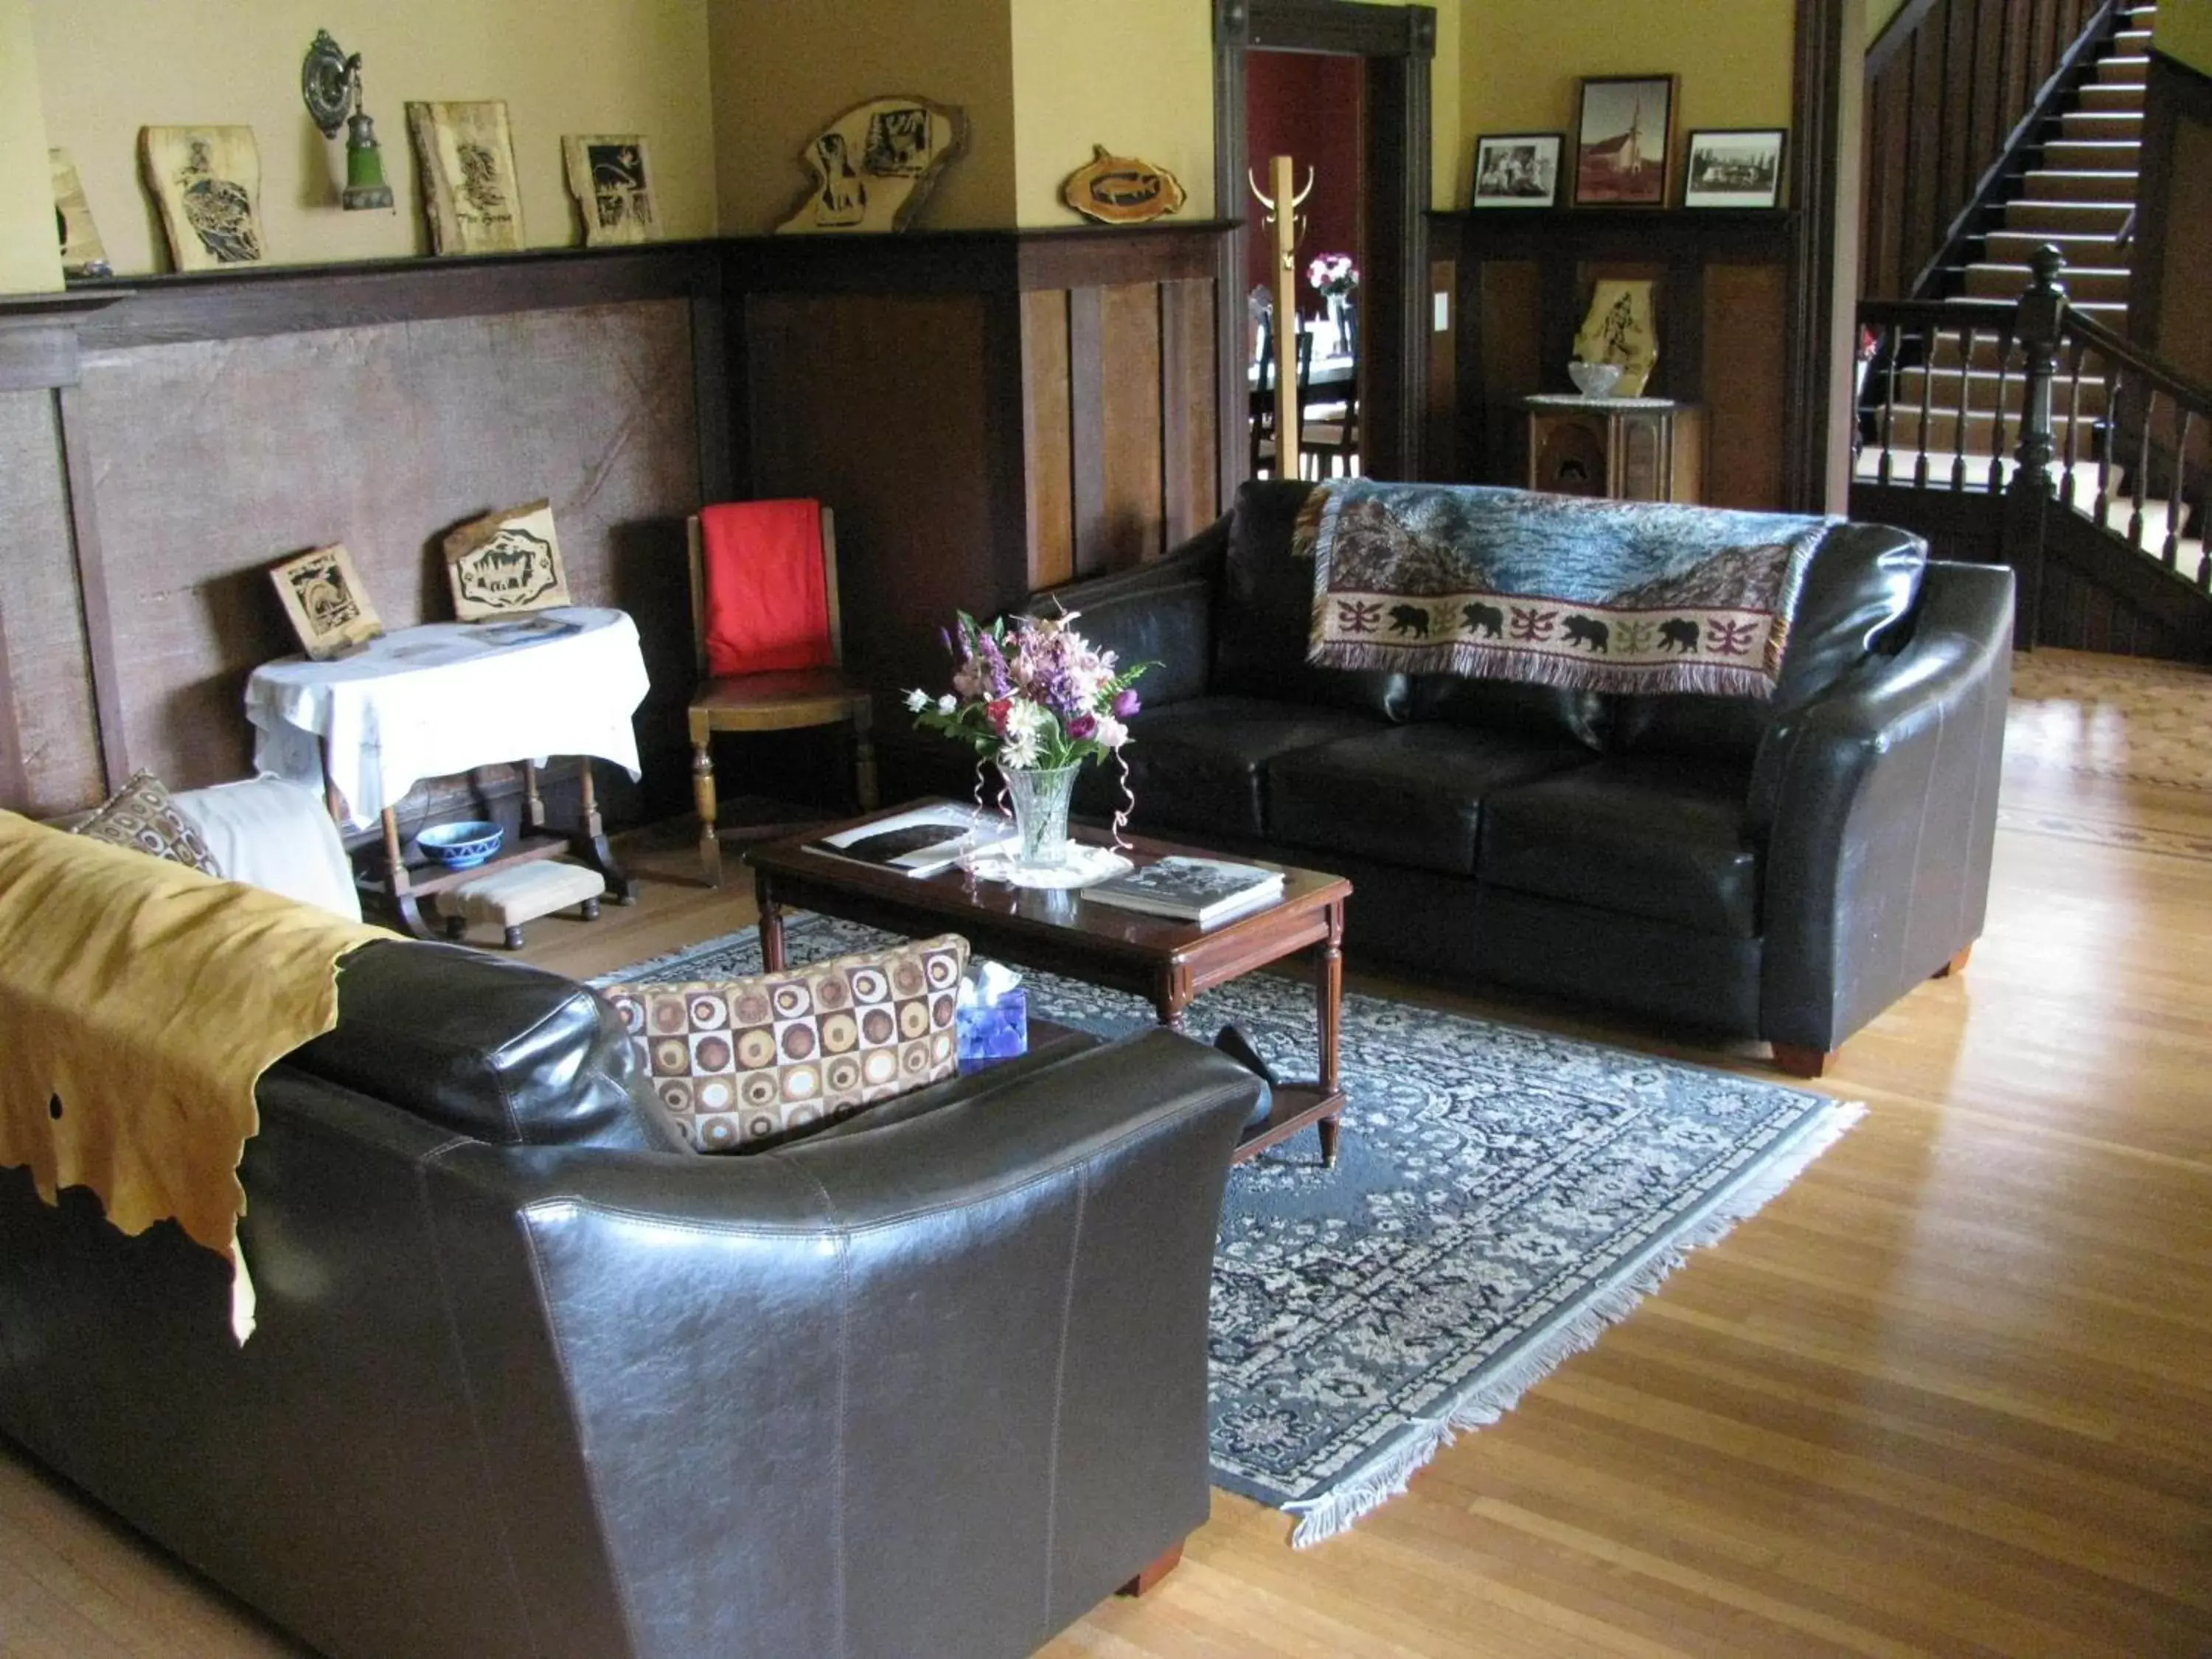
[1000, 1031]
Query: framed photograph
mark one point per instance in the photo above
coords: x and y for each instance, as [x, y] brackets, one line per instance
[324, 601]
[611, 176]
[1517, 170]
[1624, 136]
[208, 183]
[505, 563]
[1741, 167]
[470, 195]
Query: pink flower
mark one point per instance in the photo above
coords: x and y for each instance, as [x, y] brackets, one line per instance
[997, 711]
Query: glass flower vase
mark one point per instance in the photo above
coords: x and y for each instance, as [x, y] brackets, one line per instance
[1039, 797]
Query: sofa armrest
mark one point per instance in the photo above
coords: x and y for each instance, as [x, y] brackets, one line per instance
[1161, 613]
[932, 1389]
[1878, 857]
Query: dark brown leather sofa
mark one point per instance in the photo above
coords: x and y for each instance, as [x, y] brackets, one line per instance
[529, 1383]
[1783, 870]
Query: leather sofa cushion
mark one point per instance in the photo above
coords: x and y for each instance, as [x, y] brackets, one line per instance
[492, 1049]
[1262, 614]
[1547, 711]
[1661, 836]
[1861, 581]
[1410, 795]
[1203, 765]
[1161, 613]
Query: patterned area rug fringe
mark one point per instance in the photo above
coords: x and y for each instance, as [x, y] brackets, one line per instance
[1489, 1397]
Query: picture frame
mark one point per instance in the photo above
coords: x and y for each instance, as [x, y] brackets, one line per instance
[505, 563]
[471, 197]
[1733, 167]
[1517, 170]
[325, 602]
[207, 182]
[1623, 140]
[611, 175]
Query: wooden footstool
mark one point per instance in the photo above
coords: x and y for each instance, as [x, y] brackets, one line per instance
[524, 892]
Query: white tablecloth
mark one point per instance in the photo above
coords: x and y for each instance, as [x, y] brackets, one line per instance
[432, 700]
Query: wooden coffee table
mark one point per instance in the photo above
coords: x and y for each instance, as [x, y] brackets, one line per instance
[1169, 963]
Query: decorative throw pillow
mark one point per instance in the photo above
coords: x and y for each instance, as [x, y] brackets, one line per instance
[738, 1061]
[141, 814]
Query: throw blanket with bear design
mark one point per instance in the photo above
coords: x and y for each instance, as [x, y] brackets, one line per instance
[1556, 590]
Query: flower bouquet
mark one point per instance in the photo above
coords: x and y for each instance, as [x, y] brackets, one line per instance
[1333, 274]
[1033, 698]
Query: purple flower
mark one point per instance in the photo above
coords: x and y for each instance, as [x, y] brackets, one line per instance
[1126, 703]
[1082, 727]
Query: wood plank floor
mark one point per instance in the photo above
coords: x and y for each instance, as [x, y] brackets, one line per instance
[1949, 1395]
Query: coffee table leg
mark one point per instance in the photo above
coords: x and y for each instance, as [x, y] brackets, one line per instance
[1328, 998]
[771, 922]
[1170, 997]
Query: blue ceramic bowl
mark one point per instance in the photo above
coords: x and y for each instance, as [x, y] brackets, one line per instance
[460, 846]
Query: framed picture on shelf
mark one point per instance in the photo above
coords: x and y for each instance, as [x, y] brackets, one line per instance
[1624, 136]
[1738, 168]
[470, 195]
[207, 181]
[611, 176]
[1517, 170]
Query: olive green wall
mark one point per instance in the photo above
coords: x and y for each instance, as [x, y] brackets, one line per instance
[108, 67]
[2184, 32]
[30, 256]
[1520, 61]
[782, 70]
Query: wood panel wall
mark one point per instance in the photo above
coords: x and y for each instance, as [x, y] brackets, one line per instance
[1523, 283]
[2172, 261]
[161, 445]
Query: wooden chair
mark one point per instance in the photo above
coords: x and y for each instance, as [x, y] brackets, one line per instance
[1328, 427]
[775, 699]
[1263, 399]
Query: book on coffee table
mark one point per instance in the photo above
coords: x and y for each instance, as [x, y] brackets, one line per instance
[921, 842]
[1201, 890]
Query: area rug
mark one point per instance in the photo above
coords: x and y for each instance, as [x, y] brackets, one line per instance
[1500, 1196]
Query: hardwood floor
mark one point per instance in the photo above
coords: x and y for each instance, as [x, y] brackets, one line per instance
[1951, 1393]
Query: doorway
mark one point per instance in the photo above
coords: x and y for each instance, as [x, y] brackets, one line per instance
[1307, 105]
[1392, 46]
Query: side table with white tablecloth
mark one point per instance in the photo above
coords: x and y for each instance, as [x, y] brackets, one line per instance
[442, 698]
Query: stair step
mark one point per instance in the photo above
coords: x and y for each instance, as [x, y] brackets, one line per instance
[1974, 471]
[2107, 96]
[2131, 43]
[2057, 183]
[2083, 283]
[2123, 66]
[1982, 390]
[2114, 126]
[2066, 218]
[2107, 155]
[1939, 433]
[2014, 246]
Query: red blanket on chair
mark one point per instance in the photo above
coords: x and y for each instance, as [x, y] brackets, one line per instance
[768, 602]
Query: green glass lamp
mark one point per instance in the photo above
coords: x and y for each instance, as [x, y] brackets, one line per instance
[329, 81]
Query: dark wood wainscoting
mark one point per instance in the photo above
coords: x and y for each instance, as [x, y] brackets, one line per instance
[1522, 283]
[986, 410]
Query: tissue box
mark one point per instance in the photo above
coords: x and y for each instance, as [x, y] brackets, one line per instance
[998, 1032]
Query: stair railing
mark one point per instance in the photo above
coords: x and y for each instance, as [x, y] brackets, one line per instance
[2103, 428]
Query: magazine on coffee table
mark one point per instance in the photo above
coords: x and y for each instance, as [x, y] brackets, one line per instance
[1201, 890]
[921, 842]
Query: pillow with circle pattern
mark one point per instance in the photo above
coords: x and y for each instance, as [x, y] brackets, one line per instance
[143, 814]
[744, 1061]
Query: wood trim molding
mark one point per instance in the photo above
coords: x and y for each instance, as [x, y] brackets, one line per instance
[14, 777]
[78, 464]
[1819, 193]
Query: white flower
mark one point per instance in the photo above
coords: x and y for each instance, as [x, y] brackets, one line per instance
[1110, 733]
[945, 704]
[1020, 748]
[917, 700]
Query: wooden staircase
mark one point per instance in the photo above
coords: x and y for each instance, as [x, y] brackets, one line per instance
[1953, 385]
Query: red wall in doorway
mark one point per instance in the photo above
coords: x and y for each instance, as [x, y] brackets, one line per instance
[1305, 105]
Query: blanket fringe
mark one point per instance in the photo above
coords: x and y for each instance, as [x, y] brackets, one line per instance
[1471, 661]
[1484, 1402]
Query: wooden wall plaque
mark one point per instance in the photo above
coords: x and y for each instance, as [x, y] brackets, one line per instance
[325, 602]
[505, 563]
